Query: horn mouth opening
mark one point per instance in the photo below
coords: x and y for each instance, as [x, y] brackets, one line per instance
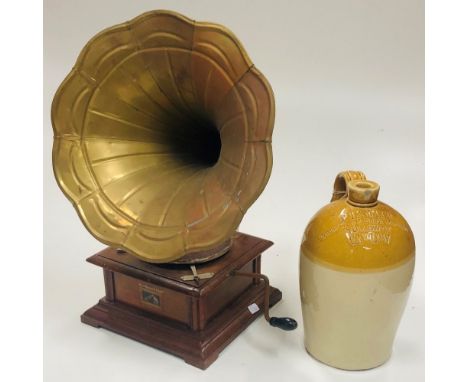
[162, 135]
[198, 144]
[159, 144]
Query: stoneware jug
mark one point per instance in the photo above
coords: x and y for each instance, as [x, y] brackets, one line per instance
[356, 265]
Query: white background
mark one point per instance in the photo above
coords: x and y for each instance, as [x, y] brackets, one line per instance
[349, 84]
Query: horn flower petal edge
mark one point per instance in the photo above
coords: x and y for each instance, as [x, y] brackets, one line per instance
[136, 128]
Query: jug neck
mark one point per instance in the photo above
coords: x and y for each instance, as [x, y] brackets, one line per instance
[363, 193]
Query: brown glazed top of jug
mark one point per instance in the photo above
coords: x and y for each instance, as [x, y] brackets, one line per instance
[357, 232]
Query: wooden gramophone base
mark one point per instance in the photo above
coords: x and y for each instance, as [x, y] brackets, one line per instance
[199, 349]
[192, 320]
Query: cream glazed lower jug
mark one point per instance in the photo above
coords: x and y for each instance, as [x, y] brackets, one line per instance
[356, 265]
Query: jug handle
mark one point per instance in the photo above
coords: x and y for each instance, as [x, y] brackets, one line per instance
[341, 182]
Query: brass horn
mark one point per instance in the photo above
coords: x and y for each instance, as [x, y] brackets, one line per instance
[162, 137]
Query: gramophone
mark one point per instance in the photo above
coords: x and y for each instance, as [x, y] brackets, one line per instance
[162, 141]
